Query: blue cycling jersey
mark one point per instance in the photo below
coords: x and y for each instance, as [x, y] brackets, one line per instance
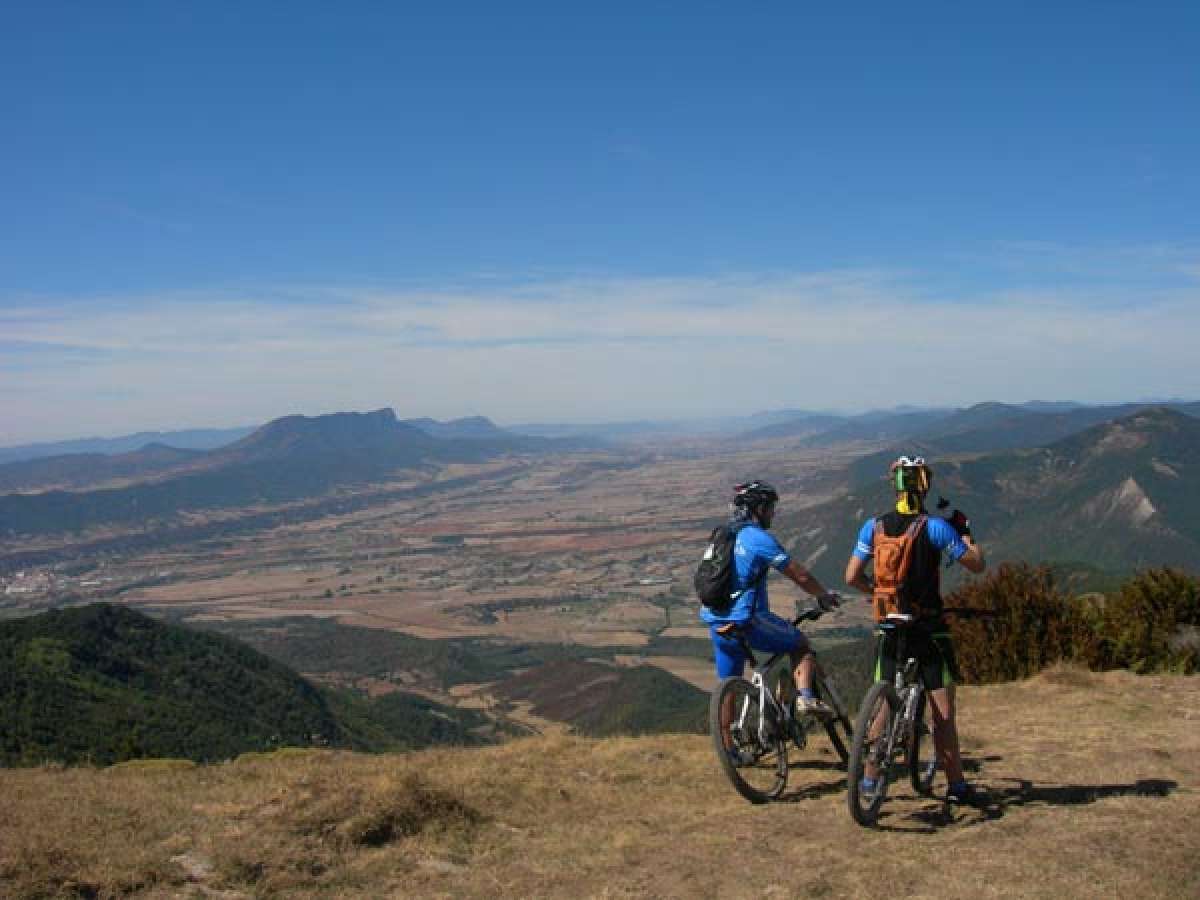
[754, 553]
[941, 533]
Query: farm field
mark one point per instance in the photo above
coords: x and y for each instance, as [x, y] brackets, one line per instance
[586, 549]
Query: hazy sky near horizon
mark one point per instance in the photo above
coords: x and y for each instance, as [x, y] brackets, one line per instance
[216, 214]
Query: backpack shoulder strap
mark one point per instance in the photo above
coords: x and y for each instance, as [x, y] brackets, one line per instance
[910, 541]
[916, 525]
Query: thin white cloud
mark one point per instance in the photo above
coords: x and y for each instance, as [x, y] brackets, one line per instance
[573, 348]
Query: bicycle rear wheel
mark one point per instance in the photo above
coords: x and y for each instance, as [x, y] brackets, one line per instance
[872, 746]
[920, 772]
[840, 732]
[751, 751]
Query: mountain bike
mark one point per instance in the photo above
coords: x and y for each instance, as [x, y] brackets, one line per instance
[751, 723]
[890, 725]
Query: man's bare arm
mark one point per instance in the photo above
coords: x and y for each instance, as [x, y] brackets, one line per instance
[973, 559]
[804, 578]
[856, 575]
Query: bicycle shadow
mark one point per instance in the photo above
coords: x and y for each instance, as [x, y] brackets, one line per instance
[816, 789]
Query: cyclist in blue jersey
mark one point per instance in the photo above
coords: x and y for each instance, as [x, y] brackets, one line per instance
[755, 553]
[929, 636]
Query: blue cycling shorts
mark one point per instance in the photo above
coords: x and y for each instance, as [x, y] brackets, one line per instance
[768, 633]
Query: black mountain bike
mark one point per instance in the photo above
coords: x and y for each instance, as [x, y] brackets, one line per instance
[751, 725]
[889, 730]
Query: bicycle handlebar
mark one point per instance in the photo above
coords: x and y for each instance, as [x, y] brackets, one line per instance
[811, 614]
[808, 615]
[967, 612]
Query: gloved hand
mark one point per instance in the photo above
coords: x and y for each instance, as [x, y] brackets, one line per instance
[829, 600]
[961, 523]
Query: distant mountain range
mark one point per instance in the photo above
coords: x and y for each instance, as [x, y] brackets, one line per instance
[105, 683]
[983, 427]
[1116, 496]
[80, 470]
[189, 439]
[287, 459]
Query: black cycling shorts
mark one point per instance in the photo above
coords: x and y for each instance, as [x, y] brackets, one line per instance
[933, 650]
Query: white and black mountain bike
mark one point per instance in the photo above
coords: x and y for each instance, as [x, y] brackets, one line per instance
[751, 724]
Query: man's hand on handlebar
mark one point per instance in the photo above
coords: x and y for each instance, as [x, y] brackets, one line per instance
[829, 600]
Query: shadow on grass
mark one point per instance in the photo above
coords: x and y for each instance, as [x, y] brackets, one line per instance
[824, 765]
[1027, 793]
[813, 791]
[996, 801]
[820, 789]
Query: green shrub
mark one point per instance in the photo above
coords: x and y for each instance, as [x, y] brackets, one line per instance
[1146, 626]
[1151, 624]
[1031, 624]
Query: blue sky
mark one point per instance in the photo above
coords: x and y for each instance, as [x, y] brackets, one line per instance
[214, 214]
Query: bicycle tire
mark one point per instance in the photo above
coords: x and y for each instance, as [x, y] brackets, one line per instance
[881, 698]
[921, 775]
[756, 770]
[839, 729]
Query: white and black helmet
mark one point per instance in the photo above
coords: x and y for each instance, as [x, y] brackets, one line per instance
[754, 495]
[911, 474]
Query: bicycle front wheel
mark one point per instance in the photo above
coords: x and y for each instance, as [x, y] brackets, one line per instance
[920, 772]
[871, 752]
[750, 746]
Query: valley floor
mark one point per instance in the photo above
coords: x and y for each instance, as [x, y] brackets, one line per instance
[1095, 781]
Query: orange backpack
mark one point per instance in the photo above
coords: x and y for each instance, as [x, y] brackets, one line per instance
[893, 556]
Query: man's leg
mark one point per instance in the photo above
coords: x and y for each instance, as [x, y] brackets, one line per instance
[803, 671]
[885, 670]
[875, 733]
[773, 634]
[945, 733]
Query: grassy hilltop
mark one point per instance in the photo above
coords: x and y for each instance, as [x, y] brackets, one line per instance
[1095, 779]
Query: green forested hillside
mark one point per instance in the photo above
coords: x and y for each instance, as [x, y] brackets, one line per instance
[104, 683]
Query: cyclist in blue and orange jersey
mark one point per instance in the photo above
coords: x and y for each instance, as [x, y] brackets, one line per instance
[929, 637]
[756, 552]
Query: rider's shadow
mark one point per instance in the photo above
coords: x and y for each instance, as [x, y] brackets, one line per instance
[1026, 793]
[1022, 792]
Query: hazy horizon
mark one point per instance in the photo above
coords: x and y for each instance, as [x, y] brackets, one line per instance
[664, 420]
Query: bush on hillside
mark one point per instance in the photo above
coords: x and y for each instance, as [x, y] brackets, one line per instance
[1031, 624]
[1151, 624]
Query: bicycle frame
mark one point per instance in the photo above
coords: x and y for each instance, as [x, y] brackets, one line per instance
[769, 707]
[760, 677]
[908, 686]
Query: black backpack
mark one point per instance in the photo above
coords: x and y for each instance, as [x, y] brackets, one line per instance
[714, 575]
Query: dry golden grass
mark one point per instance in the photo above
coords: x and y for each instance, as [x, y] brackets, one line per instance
[1094, 779]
